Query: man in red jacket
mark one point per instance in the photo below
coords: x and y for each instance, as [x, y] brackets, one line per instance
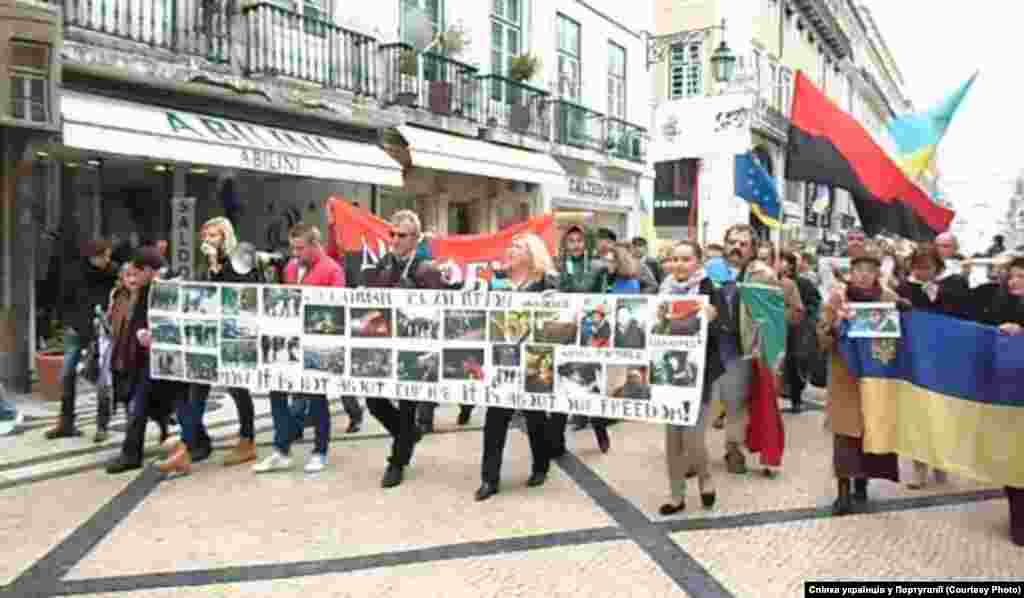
[309, 266]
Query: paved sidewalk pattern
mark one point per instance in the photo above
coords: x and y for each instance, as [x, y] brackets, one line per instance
[592, 530]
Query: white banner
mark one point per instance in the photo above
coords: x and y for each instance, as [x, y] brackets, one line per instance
[183, 235]
[626, 357]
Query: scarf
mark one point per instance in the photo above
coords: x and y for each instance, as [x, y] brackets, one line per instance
[690, 286]
[872, 295]
[931, 289]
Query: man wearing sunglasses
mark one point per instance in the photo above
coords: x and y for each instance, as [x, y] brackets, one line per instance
[408, 266]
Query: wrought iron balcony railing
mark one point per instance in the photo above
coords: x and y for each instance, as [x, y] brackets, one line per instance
[193, 27]
[579, 127]
[281, 42]
[626, 141]
[431, 81]
[515, 107]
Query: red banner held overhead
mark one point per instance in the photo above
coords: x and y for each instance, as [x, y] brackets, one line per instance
[358, 238]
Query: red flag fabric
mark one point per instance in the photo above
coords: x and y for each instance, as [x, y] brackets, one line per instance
[765, 432]
[356, 236]
[829, 147]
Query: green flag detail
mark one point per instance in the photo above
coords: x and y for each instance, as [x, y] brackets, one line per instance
[766, 307]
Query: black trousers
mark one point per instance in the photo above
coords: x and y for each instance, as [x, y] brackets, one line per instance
[1015, 497]
[794, 381]
[150, 399]
[496, 433]
[556, 429]
[425, 411]
[400, 422]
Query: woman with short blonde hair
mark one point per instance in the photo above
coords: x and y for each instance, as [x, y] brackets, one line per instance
[541, 263]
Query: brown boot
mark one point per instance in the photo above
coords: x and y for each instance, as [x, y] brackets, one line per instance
[179, 462]
[735, 462]
[243, 453]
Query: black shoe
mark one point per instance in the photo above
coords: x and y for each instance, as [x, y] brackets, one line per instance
[844, 503]
[120, 467]
[485, 491]
[392, 476]
[63, 432]
[708, 499]
[671, 509]
[354, 425]
[203, 452]
[603, 441]
[860, 490]
[580, 424]
[537, 479]
[463, 417]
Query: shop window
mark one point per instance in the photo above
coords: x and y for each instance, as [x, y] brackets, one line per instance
[30, 81]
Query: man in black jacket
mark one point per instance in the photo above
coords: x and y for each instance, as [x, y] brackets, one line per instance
[402, 268]
[87, 284]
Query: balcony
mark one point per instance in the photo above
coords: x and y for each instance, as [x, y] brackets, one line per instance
[768, 117]
[282, 43]
[190, 27]
[515, 108]
[579, 127]
[266, 41]
[430, 81]
[626, 141]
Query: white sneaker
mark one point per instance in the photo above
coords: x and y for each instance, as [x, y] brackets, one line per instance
[275, 462]
[316, 463]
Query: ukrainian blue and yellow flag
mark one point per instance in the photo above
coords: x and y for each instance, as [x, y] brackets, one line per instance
[948, 393]
[756, 186]
[917, 135]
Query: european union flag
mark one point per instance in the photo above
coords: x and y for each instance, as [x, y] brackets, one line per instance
[755, 185]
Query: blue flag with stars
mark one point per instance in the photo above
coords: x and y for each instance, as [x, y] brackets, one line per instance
[756, 186]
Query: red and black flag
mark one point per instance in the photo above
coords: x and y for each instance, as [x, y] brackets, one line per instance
[829, 147]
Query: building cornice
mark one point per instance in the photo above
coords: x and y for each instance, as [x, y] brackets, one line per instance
[821, 18]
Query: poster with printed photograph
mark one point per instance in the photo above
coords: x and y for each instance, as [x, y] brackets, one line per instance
[874, 320]
[622, 357]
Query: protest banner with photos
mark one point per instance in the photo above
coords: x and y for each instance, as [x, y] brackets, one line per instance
[624, 357]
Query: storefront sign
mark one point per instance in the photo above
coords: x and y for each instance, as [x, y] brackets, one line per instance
[183, 235]
[698, 127]
[117, 126]
[592, 188]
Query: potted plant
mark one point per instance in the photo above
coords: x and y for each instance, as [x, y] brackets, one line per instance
[522, 68]
[451, 43]
[408, 68]
[50, 362]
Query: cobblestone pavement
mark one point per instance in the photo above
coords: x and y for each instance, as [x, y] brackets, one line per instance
[67, 528]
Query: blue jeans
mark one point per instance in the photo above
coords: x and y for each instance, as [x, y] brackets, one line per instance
[69, 376]
[285, 422]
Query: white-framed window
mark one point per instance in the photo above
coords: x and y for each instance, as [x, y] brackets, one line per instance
[433, 9]
[616, 80]
[506, 34]
[569, 81]
[30, 81]
[685, 71]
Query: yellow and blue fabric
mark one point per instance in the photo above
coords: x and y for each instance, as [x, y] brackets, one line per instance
[766, 306]
[947, 393]
[917, 135]
[754, 185]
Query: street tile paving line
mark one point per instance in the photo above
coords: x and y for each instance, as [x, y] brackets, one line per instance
[277, 571]
[45, 577]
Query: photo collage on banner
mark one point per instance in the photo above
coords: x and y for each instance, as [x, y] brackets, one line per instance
[627, 357]
[185, 323]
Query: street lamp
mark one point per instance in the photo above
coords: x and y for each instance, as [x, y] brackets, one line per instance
[723, 60]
